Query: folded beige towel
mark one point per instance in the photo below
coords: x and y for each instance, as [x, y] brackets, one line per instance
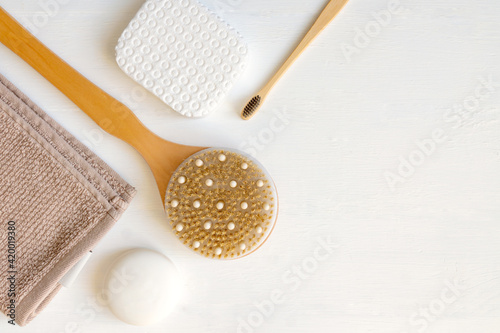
[60, 198]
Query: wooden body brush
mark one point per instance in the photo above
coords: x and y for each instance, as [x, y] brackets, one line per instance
[329, 13]
[221, 203]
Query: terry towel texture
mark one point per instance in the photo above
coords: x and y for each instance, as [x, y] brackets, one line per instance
[62, 198]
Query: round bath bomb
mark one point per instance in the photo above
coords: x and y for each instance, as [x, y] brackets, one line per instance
[143, 287]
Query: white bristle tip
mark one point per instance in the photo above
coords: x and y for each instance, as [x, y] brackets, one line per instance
[209, 182]
[179, 227]
[259, 230]
[267, 206]
[207, 225]
[218, 251]
[220, 205]
[243, 246]
[260, 183]
[174, 203]
[233, 184]
[244, 205]
[244, 166]
[222, 157]
[199, 163]
[197, 204]
[196, 244]
[182, 180]
[231, 226]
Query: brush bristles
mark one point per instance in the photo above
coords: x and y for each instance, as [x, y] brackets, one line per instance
[251, 108]
[221, 204]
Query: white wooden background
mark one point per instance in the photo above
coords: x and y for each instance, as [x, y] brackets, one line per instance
[351, 111]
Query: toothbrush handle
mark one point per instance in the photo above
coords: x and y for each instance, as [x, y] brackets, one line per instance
[111, 115]
[329, 13]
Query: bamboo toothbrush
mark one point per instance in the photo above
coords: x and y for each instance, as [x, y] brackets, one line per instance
[220, 202]
[329, 13]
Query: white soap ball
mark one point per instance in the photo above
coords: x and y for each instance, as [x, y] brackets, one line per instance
[143, 287]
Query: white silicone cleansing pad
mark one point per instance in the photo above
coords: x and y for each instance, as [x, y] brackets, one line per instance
[183, 53]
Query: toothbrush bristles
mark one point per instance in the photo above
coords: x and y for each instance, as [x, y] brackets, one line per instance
[251, 108]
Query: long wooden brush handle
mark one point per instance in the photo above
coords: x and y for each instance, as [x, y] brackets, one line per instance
[329, 13]
[111, 115]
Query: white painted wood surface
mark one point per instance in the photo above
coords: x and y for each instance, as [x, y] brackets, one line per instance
[340, 122]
